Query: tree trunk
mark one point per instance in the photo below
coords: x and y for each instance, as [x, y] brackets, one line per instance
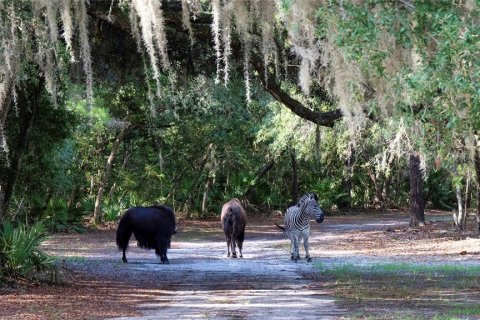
[467, 201]
[11, 172]
[347, 184]
[203, 164]
[73, 198]
[317, 146]
[477, 171]
[459, 214]
[205, 194]
[97, 213]
[260, 173]
[293, 158]
[417, 211]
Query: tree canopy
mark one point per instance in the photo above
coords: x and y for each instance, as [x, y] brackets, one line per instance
[191, 102]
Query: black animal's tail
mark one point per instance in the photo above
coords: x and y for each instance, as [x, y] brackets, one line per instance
[124, 231]
[280, 227]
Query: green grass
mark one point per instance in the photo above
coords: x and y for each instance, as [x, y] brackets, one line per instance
[71, 259]
[349, 269]
[406, 290]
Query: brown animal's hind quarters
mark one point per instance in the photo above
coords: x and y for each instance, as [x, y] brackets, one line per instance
[153, 228]
[234, 220]
[297, 223]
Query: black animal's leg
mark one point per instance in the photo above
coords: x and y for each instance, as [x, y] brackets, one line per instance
[165, 259]
[124, 257]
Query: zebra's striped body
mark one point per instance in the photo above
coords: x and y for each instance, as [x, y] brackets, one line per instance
[297, 223]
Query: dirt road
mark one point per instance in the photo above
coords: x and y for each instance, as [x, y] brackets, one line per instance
[202, 283]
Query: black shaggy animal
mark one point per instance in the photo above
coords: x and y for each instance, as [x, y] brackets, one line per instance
[234, 220]
[153, 228]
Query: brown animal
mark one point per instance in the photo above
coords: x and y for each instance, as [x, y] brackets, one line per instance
[234, 220]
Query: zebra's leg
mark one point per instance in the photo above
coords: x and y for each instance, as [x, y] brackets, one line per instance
[297, 247]
[305, 244]
[296, 255]
[292, 247]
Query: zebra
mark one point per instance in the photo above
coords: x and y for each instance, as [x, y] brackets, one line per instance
[297, 223]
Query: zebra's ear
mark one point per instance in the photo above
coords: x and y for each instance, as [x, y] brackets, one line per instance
[314, 195]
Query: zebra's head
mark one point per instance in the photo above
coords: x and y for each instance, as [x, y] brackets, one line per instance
[310, 205]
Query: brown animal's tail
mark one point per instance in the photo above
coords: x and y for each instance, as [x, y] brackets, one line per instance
[280, 227]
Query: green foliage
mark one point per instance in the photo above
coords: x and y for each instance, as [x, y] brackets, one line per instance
[57, 218]
[114, 207]
[20, 251]
[331, 192]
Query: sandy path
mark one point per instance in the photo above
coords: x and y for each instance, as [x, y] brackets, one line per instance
[201, 282]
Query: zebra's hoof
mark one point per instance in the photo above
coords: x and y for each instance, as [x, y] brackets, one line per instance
[234, 255]
[309, 259]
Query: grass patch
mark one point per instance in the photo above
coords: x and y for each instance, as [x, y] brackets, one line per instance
[221, 300]
[417, 291]
[73, 259]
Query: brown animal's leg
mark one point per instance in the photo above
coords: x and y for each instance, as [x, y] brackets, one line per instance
[232, 241]
[240, 239]
[124, 258]
[228, 246]
[240, 244]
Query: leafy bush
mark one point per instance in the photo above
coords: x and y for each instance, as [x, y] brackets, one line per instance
[20, 252]
[330, 193]
[114, 207]
[57, 218]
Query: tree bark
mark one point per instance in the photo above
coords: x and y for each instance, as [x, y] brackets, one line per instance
[293, 158]
[97, 213]
[205, 194]
[477, 171]
[4, 109]
[417, 211]
[347, 184]
[9, 179]
[203, 164]
[460, 212]
[326, 119]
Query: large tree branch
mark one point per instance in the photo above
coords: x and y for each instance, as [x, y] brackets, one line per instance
[172, 12]
[326, 119]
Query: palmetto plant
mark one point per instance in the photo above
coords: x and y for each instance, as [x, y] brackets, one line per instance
[20, 252]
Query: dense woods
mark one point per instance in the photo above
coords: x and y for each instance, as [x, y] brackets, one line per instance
[107, 104]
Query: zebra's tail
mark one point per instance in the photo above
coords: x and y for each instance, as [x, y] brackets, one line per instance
[280, 227]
